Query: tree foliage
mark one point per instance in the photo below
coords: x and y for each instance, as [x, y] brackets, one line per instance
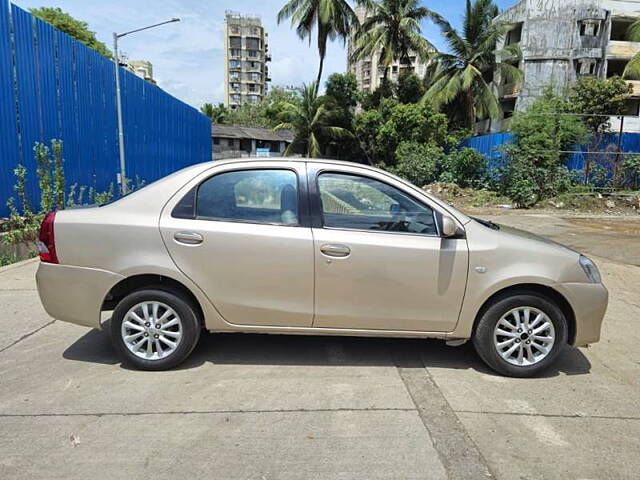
[311, 121]
[417, 162]
[69, 25]
[330, 18]
[218, 114]
[596, 97]
[392, 31]
[543, 135]
[464, 73]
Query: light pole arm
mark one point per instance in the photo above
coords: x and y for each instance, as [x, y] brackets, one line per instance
[147, 28]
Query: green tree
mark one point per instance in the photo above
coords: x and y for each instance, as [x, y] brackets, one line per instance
[263, 114]
[69, 25]
[543, 135]
[597, 98]
[392, 31]
[466, 69]
[218, 114]
[341, 97]
[311, 121]
[465, 167]
[417, 162]
[410, 88]
[331, 18]
[417, 123]
[632, 70]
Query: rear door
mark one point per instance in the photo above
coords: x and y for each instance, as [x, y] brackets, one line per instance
[242, 235]
[380, 261]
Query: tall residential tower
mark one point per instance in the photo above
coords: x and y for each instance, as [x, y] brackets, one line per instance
[246, 54]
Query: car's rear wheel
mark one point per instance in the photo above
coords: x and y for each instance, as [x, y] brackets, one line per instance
[520, 335]
[155, 329]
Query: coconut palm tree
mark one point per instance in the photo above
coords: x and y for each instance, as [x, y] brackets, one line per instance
[632, 70]
[392, 30]
[467, 69]
[217, 114]
[311, 121]
[332, 19]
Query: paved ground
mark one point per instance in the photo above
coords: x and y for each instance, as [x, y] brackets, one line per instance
[269, 407]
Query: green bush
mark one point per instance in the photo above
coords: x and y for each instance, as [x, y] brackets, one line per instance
[465, 167]
[417, 162]
[631, 170]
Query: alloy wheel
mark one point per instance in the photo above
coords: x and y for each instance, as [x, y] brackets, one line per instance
[524, 336]
[151, 330]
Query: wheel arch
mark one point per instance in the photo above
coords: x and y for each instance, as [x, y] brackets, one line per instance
[536, 288]
[142, 281]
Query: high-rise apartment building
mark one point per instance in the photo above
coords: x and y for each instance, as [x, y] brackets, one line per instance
[562, 41]
[246, 55]
[369, 73]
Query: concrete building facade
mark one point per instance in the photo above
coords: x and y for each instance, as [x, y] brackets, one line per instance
[563, 40]
[368, 71]
[246, 57]
[143, 69]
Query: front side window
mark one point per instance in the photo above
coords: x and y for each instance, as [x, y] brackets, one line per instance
[256, 196]
[362, 203]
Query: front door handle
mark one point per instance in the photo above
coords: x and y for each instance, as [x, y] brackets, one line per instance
[188, 238]
[340, 251]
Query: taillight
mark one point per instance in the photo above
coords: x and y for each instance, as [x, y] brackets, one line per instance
[46, 240]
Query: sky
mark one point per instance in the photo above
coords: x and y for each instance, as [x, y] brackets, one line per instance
[188, 56]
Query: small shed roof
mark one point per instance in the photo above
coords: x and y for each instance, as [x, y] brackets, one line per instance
[251, 133]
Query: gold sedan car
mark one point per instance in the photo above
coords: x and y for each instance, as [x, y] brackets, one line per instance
[312, 247]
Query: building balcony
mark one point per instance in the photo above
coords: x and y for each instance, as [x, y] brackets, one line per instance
[620, 49]
[509, 90]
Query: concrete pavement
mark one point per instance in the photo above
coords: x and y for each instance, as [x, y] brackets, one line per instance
[276, 407]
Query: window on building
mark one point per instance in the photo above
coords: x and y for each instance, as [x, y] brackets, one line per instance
[252, 43]
[589, 28]
[234, 64]
[235, 42]
[587, 67]
[235, 98]
[234, 52]
[619, 27]
[252, 54]
[514, 35]
[616, 67]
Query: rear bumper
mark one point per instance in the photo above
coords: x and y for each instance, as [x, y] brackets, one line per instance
[589, 302]
[74, 294]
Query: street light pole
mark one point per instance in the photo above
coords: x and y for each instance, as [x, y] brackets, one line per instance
[122, 176]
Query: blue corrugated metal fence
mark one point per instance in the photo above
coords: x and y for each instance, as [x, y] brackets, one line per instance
[490, 146]
[52, 86]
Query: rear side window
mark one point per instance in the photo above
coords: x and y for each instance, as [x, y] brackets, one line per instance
[255, 196]
[362, 203]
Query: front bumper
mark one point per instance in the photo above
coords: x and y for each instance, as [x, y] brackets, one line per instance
[589, 302]
[74, 294]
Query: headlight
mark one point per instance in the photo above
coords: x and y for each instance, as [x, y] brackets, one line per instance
[590, 269]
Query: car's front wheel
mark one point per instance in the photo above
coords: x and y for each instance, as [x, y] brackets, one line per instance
[520, 335]
[155, 329]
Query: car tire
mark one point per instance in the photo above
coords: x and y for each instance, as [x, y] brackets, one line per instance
[540, 345]
[148, 345]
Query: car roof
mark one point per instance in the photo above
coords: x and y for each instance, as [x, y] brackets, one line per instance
[463, 218]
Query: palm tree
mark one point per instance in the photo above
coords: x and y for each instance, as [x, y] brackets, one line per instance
[217, 114]
[311, 121]
[467, 71]
[392, 31]
[332, 18]
[632, 70]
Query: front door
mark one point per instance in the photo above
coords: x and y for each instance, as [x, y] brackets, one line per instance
[240, 238]
[380, 262]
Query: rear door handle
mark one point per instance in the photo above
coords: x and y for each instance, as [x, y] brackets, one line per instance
[188, 238]
[339, 251]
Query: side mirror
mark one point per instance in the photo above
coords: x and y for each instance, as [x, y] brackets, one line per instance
[449, 227]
